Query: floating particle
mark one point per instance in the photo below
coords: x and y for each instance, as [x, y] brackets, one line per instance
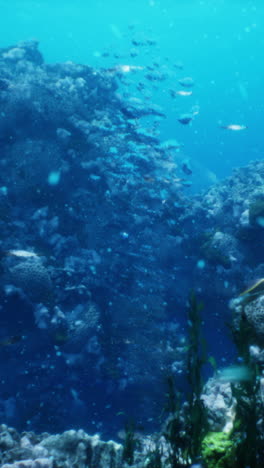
[124, 235]
[54, 178]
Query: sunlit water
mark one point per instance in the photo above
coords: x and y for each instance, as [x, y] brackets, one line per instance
[219, 42]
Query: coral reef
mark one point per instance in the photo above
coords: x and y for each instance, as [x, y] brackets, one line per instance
[71, 448]
[34, 280]
[85, 187]
[95, 319]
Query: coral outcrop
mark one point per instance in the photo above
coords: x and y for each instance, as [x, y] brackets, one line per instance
[71, 448]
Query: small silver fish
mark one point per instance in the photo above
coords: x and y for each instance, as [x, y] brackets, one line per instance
[234, 374]
[21, 253]
[234, 127]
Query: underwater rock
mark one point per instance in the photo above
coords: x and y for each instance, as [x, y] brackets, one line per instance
[254, 312]
[256, 213]
[84, 183]
[62, 450]
[34, 279]
[220, 405]
[37, 463]
[26, 50]
[78, 447]
[221, 235]
[249, 312]
[222, 249]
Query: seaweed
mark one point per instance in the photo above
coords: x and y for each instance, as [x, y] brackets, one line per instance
[250, 446]
[154, 459]
[187, 423]
[245, 433]
[130, 444]
[187, 429]
[175, 430]
[196, 359]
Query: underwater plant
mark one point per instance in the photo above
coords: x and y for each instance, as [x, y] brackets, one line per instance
[196, 358]
[246, 435]
[130, 443]
[187, 422]
[218, 450]
[174, 430]
[186, 429]
[154, 459]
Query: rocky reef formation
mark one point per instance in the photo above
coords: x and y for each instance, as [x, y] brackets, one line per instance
[72, 448]
[227, 226]
[92, 199]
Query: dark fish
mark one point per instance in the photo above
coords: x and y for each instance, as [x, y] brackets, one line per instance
[187, 82]
[133, 53]
[136, 43]
[10, 340]
[186, 168]
[151, 42]
[185, 119]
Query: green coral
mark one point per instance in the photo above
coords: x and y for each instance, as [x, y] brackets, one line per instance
[218, 451]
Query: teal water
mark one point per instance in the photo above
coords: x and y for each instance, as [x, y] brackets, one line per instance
[219, 42]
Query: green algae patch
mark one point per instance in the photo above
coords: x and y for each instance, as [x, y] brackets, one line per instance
[218, 451]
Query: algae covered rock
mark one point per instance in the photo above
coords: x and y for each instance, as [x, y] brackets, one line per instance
[218, 451]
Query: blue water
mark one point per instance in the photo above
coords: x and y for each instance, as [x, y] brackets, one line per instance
[219, 42]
